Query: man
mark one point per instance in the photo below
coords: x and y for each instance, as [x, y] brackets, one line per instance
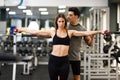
[75, 43]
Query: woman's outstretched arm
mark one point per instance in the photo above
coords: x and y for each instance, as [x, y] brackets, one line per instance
[43, 33]
[85, 33]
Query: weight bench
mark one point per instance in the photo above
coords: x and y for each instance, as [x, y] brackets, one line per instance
[14, 59]
[26, 64]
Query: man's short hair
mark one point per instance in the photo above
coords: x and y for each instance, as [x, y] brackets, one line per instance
[75, 10]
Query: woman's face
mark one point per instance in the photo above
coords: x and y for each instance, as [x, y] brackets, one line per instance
[61, 22]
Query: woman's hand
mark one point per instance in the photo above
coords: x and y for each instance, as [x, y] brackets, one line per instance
[105, 32]
[15, 30]
[20, 30]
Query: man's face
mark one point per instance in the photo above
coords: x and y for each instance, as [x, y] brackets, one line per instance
[71, 17]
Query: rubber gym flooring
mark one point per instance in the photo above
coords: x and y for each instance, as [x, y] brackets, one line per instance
[40, 73]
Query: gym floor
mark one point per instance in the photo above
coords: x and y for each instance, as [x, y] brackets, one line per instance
[40, 73]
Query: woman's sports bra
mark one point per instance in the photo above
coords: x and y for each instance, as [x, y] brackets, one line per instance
[61, 41]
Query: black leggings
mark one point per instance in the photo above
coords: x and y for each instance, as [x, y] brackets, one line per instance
[58, 66]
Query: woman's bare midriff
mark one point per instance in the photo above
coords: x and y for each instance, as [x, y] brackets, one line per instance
[60, 50]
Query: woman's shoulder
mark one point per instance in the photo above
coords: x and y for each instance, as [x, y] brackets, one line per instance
[70, 32]
[52, 32]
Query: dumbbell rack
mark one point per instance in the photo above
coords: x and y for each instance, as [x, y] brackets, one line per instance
[25, 60]
[14, 53]
[14, 62]
[96, 71]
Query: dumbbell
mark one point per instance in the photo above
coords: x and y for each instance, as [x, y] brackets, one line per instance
[25, 44]
[50, 44]
[106, 48]
[20, 51]
[15, 30]
[117, 56]
[29, 52]
[38, 44]
[38, 52]
[19, 44]
[30, 44]
[107, 36]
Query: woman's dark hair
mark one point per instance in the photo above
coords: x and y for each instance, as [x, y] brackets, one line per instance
[61, 15]
[75, 10]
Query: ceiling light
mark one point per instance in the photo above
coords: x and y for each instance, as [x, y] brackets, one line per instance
[28, 12]
[62, 6]
[21, 7]
[61, 10]
[42, 9]
[12, 13]
[91, 9]
[25, 11]
[44, 13]
[7, 9]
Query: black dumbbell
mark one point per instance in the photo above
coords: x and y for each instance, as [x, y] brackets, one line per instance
[107, 37]
[106, 48]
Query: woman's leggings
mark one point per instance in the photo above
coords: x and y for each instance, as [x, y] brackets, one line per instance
[58, 66]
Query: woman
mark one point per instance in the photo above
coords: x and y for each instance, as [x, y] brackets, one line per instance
[58, 61]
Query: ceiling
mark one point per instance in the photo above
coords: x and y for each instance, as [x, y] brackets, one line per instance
[53, 11]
